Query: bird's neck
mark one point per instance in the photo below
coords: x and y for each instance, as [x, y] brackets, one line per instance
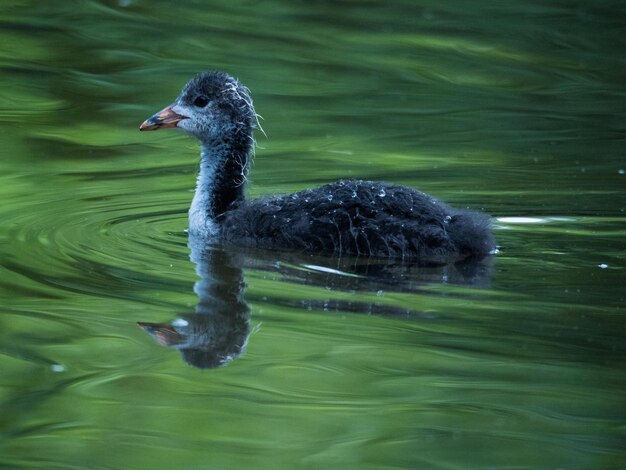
[223, 171]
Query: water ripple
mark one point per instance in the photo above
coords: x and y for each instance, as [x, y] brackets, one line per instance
[115, 239]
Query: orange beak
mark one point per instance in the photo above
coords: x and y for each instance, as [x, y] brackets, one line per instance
[164, 118]
[163, 333]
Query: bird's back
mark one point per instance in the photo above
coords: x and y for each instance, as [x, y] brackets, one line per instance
[353, 217]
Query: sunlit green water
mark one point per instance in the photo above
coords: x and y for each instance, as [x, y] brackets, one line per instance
[517, 109]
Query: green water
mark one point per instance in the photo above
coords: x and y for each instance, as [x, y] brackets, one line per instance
[515, 108]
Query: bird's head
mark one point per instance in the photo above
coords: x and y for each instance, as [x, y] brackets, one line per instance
[211, 107]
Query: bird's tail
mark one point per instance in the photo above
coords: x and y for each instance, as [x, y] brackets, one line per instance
[471, 233]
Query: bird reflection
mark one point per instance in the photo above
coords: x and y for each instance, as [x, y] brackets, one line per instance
[219, 329]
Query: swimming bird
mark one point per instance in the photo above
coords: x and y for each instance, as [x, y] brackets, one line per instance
[347, 217]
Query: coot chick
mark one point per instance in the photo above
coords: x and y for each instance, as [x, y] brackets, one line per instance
[348, 217]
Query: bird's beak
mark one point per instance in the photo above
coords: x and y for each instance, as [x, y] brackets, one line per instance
[164, 118]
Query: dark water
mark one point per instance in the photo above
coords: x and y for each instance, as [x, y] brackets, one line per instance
[517, 109]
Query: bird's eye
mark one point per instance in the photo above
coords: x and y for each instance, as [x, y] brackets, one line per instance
[201, 101]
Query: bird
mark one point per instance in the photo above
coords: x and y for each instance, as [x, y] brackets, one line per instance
[349, 217]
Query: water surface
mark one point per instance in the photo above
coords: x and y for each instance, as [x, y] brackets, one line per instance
[514, 109]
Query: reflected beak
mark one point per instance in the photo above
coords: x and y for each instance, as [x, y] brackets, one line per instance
[164, 118]
[163, 333]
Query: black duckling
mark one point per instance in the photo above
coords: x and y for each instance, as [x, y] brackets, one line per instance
[348, 217]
